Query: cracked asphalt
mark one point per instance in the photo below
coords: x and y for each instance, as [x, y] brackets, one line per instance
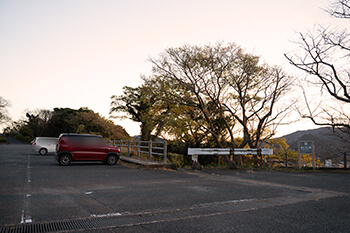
[35, 190]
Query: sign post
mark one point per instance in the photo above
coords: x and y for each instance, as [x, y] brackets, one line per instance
[306, 147]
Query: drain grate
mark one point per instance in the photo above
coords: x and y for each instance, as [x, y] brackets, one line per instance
[67, 225]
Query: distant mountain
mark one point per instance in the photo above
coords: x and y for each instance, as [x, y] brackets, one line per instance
[328, 143]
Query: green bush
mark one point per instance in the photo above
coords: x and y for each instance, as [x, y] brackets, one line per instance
[3, 140]
[176, 159]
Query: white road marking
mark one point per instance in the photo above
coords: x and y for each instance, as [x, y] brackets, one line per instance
[106, 215]
[25, 218]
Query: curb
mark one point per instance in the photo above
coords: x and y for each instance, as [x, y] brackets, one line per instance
[148, 164]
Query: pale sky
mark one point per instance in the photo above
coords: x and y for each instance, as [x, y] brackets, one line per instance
[78, 53]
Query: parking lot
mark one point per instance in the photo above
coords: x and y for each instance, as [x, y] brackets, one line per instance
[38, 195]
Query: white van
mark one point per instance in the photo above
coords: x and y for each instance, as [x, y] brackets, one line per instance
[44, 145]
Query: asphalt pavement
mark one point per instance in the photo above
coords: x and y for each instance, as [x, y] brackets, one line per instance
[38, 195]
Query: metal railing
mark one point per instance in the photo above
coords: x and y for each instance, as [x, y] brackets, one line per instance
[151, 148]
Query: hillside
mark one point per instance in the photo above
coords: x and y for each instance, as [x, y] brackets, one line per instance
[328, 144]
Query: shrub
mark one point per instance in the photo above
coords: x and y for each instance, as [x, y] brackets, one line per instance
[176, 159]
[3, 140]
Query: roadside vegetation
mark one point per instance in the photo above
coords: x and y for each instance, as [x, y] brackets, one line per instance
[46, 123]
[3, 140]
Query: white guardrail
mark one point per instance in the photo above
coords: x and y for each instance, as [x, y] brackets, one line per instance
[226, 151]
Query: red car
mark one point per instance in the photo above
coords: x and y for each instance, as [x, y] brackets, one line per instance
[82, 147]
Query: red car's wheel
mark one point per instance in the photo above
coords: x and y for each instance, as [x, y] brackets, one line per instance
[65, 160]
[112, 159]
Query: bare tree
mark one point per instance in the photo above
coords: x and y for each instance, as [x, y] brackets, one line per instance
[340, 9]
[324, 55]
[254, 107]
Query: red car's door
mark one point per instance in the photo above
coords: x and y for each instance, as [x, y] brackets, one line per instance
[95, 149]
